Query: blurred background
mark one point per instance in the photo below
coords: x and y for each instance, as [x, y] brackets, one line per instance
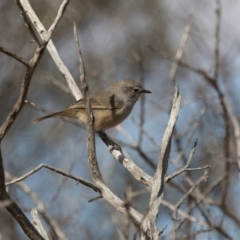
[138, 40]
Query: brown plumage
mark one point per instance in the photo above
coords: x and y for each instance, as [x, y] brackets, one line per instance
[110, 106]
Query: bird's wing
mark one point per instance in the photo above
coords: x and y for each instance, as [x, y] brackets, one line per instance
[99, 102]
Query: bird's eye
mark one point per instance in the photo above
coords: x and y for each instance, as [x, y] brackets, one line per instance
[135, 89]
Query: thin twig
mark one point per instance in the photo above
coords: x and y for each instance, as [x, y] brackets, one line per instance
[58, 84]
[13, 208]
[177, 205]
[180, 171]
[184, 214]
[92, 158]
[138, 57]
[191, 133]
[217, 39]
[198, 168]
[59, 187]
[95, 198]
[140, 151]
[179, 52]
[204, 177]
[198, 71]
[14, 55]
[40, 207]
[52, 49]
[117, 153]
[57, 170]
[158, 179]
[28, 23]
[60, 13]
[146, 133]
[93, 165]
[37, 223]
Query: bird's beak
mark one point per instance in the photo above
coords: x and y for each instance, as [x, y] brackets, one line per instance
[145, 91]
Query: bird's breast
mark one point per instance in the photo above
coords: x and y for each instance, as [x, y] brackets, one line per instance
[109, 118]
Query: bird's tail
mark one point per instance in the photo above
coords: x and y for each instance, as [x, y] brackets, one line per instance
[36, 120]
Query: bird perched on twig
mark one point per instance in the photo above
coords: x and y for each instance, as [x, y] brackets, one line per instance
[110, 106]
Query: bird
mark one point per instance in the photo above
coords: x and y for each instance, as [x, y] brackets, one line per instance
[110, 106]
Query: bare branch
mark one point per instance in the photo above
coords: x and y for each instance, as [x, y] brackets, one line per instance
[158, 179]
[92, 160]
[217, 39]
[236, 132]
[192, 131]
[40, 207]
[136, 146]
[37, 223]
[202, 178]
[184, 214]
[149, 137]
[28, 24]
[23, 93]
[14, 55]
[117, 153]
[51, 48]
[13, 208]
[198, 168]
[60, 13]
[179, 52]
[16, 212]
[58, 84]
[198, 71]
[57, 170]
[168, 178]
[95, 198]
[138, 57]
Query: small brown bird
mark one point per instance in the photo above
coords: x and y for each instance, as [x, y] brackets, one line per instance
[110, 106]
